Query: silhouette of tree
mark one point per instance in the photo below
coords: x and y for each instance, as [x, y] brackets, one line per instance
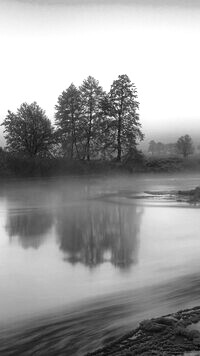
[106, 131]
[28, 131]
[124, 117]
[185, 145]
[68, 121]
[91, 97]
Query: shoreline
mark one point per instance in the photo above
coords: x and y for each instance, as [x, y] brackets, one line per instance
[172, 334]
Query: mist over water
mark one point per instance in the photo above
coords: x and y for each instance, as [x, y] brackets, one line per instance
[82, 260]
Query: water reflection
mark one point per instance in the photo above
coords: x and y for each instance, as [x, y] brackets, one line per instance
[90, 232]
[29, 226]
[95, 232]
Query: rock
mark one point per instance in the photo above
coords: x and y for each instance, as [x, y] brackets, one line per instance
[172, 335]
[152, 326]
[195, 318]
[194, 334]
[181, 331]
[166, 321]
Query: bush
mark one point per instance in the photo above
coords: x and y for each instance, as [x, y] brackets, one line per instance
[168, 164]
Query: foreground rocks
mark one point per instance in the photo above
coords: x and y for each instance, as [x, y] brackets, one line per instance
[173, 334]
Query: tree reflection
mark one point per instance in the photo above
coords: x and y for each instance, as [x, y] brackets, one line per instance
[30, 227]
[96, 232]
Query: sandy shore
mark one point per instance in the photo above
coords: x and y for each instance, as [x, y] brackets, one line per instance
[173, 334]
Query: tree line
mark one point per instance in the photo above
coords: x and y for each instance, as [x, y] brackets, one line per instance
[89, 123]
[183, 146]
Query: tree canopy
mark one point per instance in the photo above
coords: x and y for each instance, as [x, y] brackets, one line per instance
[28, 131]
[124, 113]
[68, 120]
[90, 123]
[161, 148]
[185, 145]
[91, 98]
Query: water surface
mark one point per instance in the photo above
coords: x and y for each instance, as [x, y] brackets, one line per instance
[82, 260]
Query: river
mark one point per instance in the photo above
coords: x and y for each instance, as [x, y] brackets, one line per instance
[83, 260]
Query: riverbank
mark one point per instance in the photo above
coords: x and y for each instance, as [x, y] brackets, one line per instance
[173, 334]
[20, 166]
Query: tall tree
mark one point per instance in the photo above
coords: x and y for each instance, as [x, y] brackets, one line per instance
[124, 110]
[106, 133]
[91, 98]
[185, 145]
[28, 131]
[68, 120]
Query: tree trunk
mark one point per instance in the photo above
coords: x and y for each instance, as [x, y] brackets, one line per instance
[119, 149]
[76, 148]
[88, 148]
[89, 136]
[72, 148]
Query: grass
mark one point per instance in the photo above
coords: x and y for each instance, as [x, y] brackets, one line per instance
[18, 166]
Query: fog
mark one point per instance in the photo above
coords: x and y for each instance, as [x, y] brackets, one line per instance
[45, 48]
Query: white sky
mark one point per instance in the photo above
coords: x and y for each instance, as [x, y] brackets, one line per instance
[46, 47]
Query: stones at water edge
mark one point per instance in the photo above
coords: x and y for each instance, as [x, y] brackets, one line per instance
[167, 335]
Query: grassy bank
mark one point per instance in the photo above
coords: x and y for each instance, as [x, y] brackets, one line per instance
[17, 166]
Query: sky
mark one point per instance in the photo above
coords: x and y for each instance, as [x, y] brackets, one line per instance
[47, 44]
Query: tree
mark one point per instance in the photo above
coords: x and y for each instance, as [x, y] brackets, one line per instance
[152, 147]
[91, 97]
[68, 120]
[124, 112]
[160, 148]
[185, 145]
[28, 131]
[106, 134]
[170, 148]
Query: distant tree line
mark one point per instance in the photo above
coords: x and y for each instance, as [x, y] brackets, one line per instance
[89, 124]
[183, 146]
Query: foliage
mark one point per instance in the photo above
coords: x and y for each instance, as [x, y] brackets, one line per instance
[94, 124]
[68, 121]
[162, 148]
[124, 117]
[28, 131]
[90, 125]
[185, 145]
[91, 97]
[167, 164]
